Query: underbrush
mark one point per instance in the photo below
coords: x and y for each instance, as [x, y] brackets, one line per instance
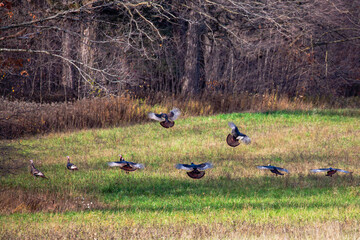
[24, 118]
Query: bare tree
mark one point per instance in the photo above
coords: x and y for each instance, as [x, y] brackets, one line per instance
[67, 41]
[75, 49]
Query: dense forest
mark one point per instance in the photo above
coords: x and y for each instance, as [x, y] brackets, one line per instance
[61, 50]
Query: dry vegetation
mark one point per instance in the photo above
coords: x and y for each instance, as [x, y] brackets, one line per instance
[19, 201]
[234, 230]
[24, 118]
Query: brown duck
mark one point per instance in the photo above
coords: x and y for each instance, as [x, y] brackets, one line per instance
[329, 171]
[35, 172]
[125, 165]
[196, 171]
[234, 138]
[166, 120]
[273, 169]
[70, 165]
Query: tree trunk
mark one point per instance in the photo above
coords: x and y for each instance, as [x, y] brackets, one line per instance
[67, 77]
[192, 72]
[86, 56]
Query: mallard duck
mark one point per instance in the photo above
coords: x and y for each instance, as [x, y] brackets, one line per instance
[35, 172]
[235, 136]
[196, 171]
[166, 120]
[125, 165]
[70, 165]
[274, 169]
[329, 171]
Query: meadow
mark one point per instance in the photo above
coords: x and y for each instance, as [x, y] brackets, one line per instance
[234, 200]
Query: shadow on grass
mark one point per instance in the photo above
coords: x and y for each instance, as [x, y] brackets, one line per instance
[113, 191]
[164, 194]
[11, 160]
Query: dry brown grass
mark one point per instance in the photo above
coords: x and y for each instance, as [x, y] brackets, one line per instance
[230, 230]
[24, 118]
[21, 201]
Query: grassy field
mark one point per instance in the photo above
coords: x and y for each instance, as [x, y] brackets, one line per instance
[234, 200]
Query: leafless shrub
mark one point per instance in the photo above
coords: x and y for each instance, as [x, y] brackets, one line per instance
[21, 118]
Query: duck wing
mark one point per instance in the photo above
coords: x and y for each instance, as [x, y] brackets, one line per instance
[122, 164]
[137, 165]
[237, 134]
[265, 167]
[340, 170]
[117, 164]
[72, 166]
[37, 173]
[155, 116]
[184, 167]
[282, 169]
[204, 166]
[174, 114]
[273, 168]
[321, 170]
[245, 139]
[234, 129]
[40, 174]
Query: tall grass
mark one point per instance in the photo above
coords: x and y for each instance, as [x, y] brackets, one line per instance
[24, 118]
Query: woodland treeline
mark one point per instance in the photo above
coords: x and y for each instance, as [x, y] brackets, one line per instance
[61, 50]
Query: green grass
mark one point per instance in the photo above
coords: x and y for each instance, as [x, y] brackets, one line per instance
[233, 200]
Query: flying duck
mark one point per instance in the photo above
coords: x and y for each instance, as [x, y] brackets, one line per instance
[274, 169]
[329, 171]
[233, 138]
[196, 171]
[70, 165]
[125, 165]
[166, 120]
[34, 171]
